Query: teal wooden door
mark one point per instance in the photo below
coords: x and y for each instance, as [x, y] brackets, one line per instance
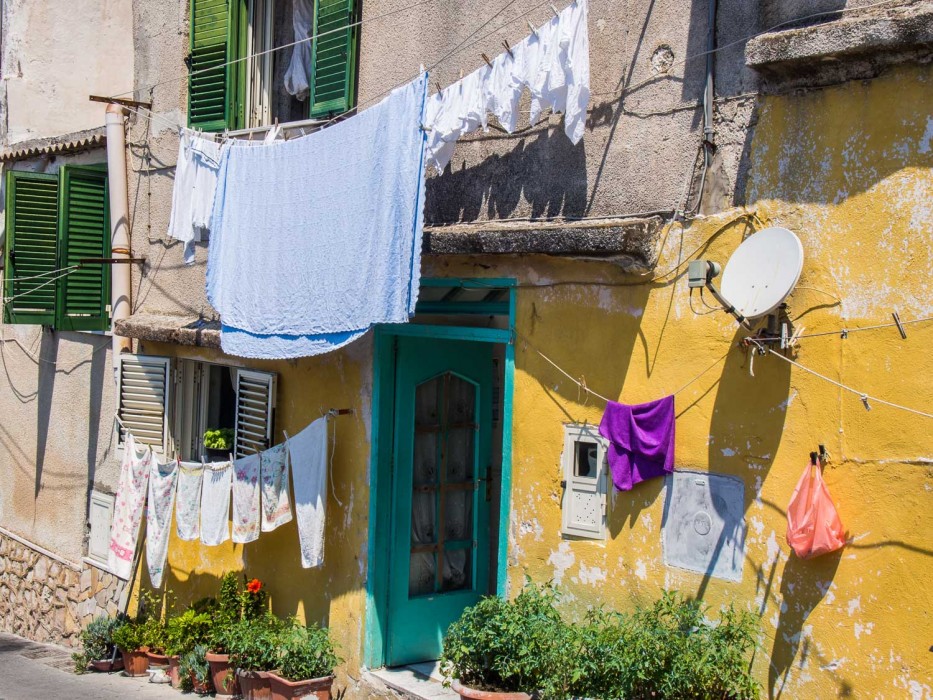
[440, 515]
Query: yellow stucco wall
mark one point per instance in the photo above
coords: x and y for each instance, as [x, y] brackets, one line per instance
[849, 170]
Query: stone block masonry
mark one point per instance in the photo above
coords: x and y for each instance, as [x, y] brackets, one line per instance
[44, 600]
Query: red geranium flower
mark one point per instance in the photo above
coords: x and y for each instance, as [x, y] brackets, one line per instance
[254, 586]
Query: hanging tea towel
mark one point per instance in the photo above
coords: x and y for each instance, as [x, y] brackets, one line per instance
[215, 503]
[641, 441]
[276, 507]
[128, 509]
[188, 501]
[162, 481]
[246, 499]
[308, 452]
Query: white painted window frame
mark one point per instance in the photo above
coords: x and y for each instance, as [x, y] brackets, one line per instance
[571, 526]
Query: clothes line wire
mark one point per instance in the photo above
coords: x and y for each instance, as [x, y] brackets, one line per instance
[844, 332]
[40, 275]
[7, 300]
[866, 398]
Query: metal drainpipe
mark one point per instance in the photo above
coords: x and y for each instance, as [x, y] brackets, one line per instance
[710, 68]
[120, 273]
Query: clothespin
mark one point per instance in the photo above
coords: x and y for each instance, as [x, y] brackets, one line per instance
[844, 334]
[900, 326]
[286, 436]
[230, 455]
[864, 398]
[505, 43]
[554, 10]
[813, 459]
[824, 455]
[532, 28]
[486, 58]
[461, 73]
[783, 336]
[421, 68]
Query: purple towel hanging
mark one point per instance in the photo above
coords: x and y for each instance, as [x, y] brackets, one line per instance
[641, 440]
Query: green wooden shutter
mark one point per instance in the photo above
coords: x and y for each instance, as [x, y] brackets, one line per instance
[84, 232]
[333, 70]
[31, 249]
[211, 83]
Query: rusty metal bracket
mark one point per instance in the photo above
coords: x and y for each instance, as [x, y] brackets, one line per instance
[119, 101]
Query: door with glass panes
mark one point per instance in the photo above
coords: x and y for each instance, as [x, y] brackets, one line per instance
[440, 515]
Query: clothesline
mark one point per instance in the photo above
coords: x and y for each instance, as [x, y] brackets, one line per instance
[844, 332]
[866, 398]
[7, 300]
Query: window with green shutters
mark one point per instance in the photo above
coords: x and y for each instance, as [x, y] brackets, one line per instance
[54, 222]
[220, 32]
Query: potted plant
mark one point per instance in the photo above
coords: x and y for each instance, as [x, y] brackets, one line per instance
[233, 604]
[182, 634]
[129, 638]
[97, 647]
[195, 671]
[218, 443]
[511, 649]
[306, 664]
[254, 651]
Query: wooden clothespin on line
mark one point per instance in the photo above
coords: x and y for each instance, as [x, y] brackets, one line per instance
[486, 58]
[554, 10]
[900, 326]
[505, 43]
[532, 28]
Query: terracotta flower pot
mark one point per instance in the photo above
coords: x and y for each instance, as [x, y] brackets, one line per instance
[315, 687]
[254, 685]
[197, 686]
[135, 663]
[174, 671]
[224, 680]
[157, 659]
[106, 666]
[472, 694]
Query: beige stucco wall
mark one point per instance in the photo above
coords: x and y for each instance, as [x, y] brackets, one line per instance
[57, 53]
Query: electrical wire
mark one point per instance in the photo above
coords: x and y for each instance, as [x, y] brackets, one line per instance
[866, 398]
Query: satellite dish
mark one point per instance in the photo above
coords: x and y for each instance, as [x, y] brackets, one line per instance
[762, 272]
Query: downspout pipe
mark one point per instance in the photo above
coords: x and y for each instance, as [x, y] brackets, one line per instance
[710, 70]
[120, 273]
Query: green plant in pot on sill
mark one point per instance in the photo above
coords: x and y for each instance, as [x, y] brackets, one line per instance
[97, 647]
[515, 648]
[253, 644]
[130, 639]
[306, 664]
[218, 442]
[195, 671]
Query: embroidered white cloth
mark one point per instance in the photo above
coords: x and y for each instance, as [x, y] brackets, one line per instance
[246, 499]
[215, 503]
[188, 501]
[162, 481]
[276, 506]
[128, 508]
[193, 190]
[299, 68]
[308, 452]
[553, 63]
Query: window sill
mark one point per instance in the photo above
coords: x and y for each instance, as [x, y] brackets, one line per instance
[302, 125]
[97, 565]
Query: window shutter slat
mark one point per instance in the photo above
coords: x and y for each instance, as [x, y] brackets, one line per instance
[143, 389]
[32, 247]
[84, 295]
[210, 86]
[255, 407]
[333, 71]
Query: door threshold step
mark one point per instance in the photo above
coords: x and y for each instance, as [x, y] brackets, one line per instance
[417, 682]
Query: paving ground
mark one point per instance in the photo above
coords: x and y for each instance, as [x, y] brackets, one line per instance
[29, 670]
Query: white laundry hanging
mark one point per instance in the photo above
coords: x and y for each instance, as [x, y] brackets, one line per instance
[299, 68]
[188, 501]
[308, 454]
[193, 190]
[128, 509]
[246, 499]
[215, 503]
[162, 482]
[552, 63]
[276, 507]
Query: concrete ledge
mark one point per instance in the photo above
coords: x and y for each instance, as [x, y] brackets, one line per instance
[855, 47]
[180, 330]
[632, 243]
[57, 145]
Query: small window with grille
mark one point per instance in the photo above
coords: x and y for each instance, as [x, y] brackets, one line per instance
[585, 482]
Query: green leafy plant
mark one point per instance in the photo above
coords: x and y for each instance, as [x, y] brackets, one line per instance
[228, 611]
[184, 632]
[306, 652]
[220, 439]
[97, 641]
[668, 650]
[193, 664]
[521, 645]
[130, 636]
[253, 644]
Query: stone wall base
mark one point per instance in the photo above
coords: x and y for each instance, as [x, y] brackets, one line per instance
[45, 600]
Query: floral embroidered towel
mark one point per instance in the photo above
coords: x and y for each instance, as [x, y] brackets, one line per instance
[276, 507]
[246, 499]
[162, 481]
[215, 503]
[188, 501]
[128, 509]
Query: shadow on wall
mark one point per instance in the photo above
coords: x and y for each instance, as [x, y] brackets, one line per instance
[546, 168]
[48, 353]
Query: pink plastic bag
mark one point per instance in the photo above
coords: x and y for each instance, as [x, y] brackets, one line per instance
[813, 525]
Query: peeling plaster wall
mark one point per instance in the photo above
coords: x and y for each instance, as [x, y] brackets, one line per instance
[850, 170]
[57, 53]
